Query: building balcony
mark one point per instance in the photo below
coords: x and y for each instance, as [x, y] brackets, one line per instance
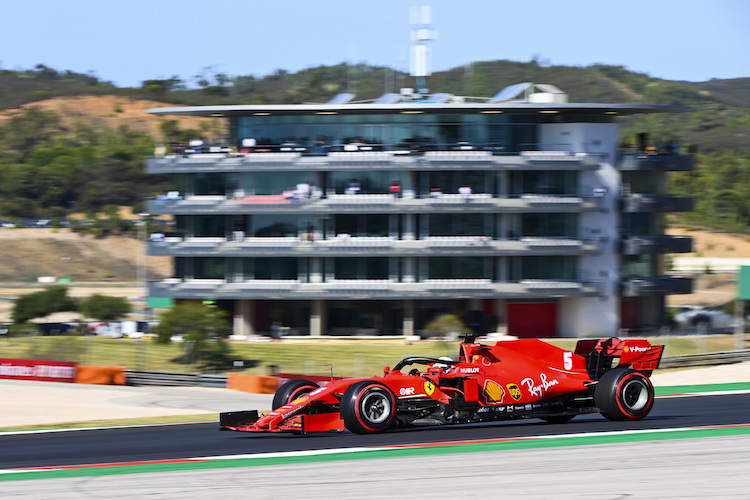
[661, 162]
[639, 287]
[662, 244]
[370, 204]
[656, 203]
[367, 160]
[345, 246]
[369, 289]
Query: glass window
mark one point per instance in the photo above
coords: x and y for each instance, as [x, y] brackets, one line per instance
[643, 224]
[350, 268]
[449, 182]
[372, 182]
[393, 131]
[540, 268]
[273, 268]
[554, 182]
[458, 225]
[274, 225]
[549, 225]
[210, 267]
[361, 224]
[208, 226]
[209, 183]
[273, 182]
[456, 268]
[639, 266]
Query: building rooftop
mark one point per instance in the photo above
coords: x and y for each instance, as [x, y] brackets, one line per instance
[519, 98]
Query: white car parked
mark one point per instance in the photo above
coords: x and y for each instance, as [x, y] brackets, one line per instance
[702, 319]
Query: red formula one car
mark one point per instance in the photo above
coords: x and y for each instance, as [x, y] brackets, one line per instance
[513, 379]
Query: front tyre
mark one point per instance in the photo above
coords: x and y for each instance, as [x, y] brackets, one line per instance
[368, 407]
[624, 394]
[292, 390]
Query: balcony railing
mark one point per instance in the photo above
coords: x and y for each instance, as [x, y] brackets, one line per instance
[656, 203]
[638, 287]
[662, 244]
[365, 160]
[370, 203]
[347, 245]
[656, 161]
[367, 288]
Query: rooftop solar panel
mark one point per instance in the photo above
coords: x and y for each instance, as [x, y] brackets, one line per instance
[341, 98]
[388, 99]
[440, 98]
[510, 92]
[545, 87]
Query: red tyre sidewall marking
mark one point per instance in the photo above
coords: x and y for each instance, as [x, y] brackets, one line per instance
[618, 393]
[298, 392]
[358, 407]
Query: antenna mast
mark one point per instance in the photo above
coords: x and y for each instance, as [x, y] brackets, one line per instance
[420, 52]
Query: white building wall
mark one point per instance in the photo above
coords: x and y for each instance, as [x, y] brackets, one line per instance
[593, 316]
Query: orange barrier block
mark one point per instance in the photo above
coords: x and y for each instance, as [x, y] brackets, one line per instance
[101, 375]
[256, 384]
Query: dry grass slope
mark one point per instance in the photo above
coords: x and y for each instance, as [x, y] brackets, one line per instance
[30, 253]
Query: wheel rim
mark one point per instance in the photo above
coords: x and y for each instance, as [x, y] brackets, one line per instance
[376, 407]
[635, 396]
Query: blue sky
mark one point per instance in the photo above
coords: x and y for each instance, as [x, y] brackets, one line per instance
[131, 41]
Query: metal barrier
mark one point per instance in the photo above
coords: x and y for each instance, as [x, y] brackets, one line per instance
[142, 377]
[708, 359]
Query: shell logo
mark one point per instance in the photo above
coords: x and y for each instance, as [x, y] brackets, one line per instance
[493, 391]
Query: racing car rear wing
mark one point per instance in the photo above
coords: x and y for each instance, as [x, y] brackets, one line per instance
[637, 354]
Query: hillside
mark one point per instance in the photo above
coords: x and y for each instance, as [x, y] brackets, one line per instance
[107, 112]
[30, 253]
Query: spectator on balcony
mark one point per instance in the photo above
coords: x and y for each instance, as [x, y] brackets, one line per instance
[248, 144]
[465, 191]
[353, 187]
[395, 189]
[196, 145]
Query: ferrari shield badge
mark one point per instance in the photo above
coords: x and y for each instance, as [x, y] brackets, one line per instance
[429, 388]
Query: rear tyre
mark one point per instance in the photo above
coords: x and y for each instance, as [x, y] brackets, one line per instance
[624, 394]
[368, 407]
[291, 391]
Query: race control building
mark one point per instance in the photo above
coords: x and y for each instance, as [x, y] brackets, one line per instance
[520, 213]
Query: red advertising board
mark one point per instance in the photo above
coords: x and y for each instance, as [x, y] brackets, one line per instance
[33, 369]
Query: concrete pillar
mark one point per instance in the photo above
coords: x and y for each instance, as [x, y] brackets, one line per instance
[317, 318]
[409, 226]
[410, 270]
[316, 273]
[408, 327]
[244, 317]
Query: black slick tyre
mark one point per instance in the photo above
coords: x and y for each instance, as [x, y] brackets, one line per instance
[291, 391]
[624, 394]
[368, 407]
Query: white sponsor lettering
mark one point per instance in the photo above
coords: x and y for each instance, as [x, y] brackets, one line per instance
[40, 371]
[635, 348]
[538, 390]
[468, 370]
[406, 391]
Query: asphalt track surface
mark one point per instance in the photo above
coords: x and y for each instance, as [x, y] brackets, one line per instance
[149, 443]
